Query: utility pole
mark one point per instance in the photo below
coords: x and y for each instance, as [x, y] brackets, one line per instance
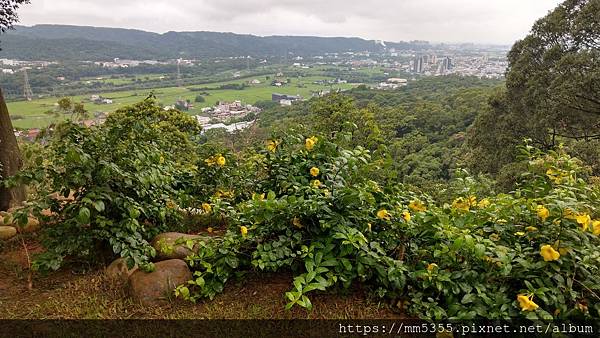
[179, 80]
[27, 93]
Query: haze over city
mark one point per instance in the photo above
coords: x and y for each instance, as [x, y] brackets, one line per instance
[494, 21]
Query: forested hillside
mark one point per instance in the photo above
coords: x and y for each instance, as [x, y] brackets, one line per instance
[55, 42]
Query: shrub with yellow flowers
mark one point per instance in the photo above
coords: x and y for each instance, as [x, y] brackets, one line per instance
[529, 253]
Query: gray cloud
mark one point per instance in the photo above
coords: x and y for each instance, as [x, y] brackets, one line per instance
[489, 21]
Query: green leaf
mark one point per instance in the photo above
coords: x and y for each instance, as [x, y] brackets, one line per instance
[83, 217]
[99, 205]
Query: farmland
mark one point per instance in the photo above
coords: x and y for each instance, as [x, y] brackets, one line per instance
[33, 114]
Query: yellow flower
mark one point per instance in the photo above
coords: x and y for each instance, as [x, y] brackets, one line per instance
[526, 303]
[463, 204]
[549, 253]
[569, 214]
[553, 175]
[519, 233]
[171, 204]
[542, 212]
[244, 231]
[206, 207]
[384, 214]
[584, 220]
[316, 183]
[310, 143]
[314, 171]
[224, 194]
[209, 229]
[161, 160]
[531, 229]
[431, 267]
[472, 201]
[484, 203]
[297, 223]
[258, 197]
[596, 227]
[272, 145]
[406, 215]
[221, 160]
[210, 161]
[417, 206]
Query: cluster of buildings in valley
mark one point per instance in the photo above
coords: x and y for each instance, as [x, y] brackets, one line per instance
[124, 63]
[225, 112]
[10, 66]
[436, 60]
[285, 99]
[97, 99]
[392, 83]
[466, 65]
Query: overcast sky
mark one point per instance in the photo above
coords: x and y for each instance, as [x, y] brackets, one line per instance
[484, 21]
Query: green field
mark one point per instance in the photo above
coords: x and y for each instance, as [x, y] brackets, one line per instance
[32, 114]
[121, 80]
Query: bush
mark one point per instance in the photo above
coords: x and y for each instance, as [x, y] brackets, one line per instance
[530, 253]
[123, 177]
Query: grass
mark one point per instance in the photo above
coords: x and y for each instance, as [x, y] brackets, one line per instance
[32, 113]
[91, 295]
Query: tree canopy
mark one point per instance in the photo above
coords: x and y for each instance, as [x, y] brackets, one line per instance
[552, 85]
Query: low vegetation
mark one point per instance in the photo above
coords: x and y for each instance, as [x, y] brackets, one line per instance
[323, 207]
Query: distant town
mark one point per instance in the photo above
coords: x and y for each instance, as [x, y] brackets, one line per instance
[388, 70]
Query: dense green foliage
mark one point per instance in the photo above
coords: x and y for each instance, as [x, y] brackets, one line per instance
[317, 211]
[552, 87]
[419, 129]
[122, 176]
[327, 204]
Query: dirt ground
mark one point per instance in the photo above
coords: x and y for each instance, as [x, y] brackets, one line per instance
[72, 294]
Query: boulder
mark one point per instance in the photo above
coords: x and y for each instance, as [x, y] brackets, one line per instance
[59, 197]
[154, 288]
[165, 246]
[118, 270]
[7, 232]
[33, 225]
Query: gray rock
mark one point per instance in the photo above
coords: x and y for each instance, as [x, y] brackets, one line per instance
[165, 246]
[154, 288]
[7, 232]
[118, 270]
[33, 225]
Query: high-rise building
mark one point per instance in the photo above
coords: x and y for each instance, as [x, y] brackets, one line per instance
[418, 65]
[447, 63]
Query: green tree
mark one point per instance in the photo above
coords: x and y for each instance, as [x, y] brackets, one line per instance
[552, 87]
[75, 109]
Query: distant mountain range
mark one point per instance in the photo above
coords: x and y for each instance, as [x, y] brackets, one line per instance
[61, 42]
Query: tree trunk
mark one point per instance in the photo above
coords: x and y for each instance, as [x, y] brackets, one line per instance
[10, 159]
